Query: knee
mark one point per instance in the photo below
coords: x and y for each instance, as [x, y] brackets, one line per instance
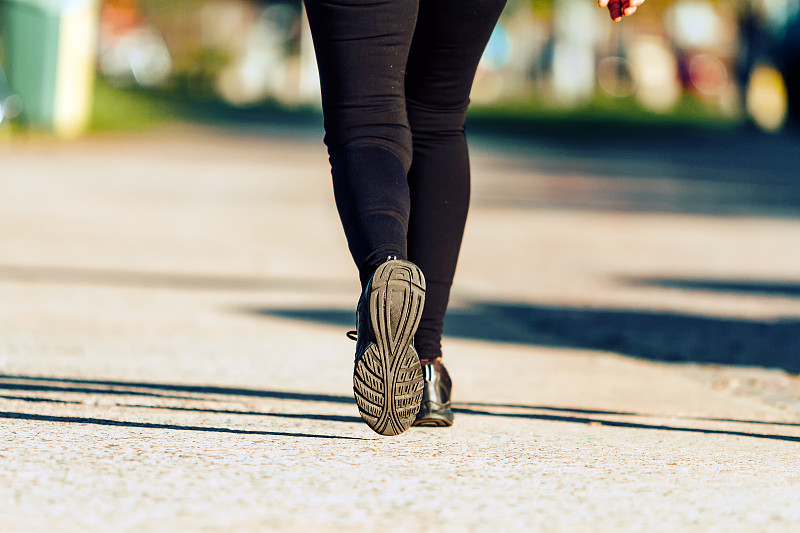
[393, 138]
[440, 119]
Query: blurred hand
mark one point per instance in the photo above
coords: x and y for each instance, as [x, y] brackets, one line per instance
[620, 8]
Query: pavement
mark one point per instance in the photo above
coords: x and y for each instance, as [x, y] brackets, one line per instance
[624, 341]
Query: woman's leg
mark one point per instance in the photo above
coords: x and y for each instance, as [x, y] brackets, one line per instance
[449, 40]
[362, 48]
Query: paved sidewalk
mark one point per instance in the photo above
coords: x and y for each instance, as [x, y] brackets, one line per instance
[624, 344]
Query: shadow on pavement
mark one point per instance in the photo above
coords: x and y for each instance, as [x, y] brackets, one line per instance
[766, 288]
[146, 425]
[618, 413]
[614, 423]
[720, 173]
[607, 164]
[129, 388]
[646, 334]
[205, 394]
[656, 336]
[168, 280]
[298, 416]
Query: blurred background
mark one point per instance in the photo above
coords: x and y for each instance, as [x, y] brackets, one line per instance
[71, 66]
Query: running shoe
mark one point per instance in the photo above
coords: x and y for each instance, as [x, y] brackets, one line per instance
[387, 378]
[435, 410]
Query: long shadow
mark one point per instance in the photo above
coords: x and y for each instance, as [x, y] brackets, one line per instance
[124, 387]
[170, 280]
[621, 413]
[298, 416]
[147, 425]
[38, 400]
[632, 425]
[658, 336]
[460, 409]
[760, 287]
[733, 172]
[33, 387]
[646, 334]
[283, 395]
[714, 153]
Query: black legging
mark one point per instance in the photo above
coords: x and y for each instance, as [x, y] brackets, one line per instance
[396, 77]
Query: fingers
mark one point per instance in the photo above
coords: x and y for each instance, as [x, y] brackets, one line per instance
[632, 6]
[620, 8]
[615, 8]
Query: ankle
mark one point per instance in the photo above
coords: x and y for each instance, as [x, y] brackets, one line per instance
[368, 268]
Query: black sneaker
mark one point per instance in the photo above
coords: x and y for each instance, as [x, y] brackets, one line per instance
[387, 379]
[435, 409]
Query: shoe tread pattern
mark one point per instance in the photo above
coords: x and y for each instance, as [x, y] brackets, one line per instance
[387, 381]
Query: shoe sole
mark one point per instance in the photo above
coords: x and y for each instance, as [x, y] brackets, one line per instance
[387, 380]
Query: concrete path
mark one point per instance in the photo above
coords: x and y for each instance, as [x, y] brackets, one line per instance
[624, 341]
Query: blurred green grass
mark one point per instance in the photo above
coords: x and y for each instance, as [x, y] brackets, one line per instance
[116, 109]
[130, 110]
[603, 114]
